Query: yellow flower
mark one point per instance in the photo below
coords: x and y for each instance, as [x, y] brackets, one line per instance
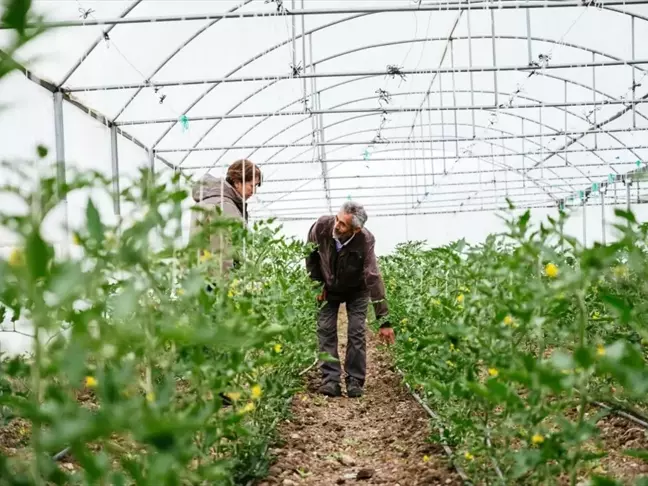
[452, 347]
[426, 458]
[256, 392]
[90, 382]
[277, 348]
[16, 257]
[410, 340]
[508, 321]
[450, 364]
[493, 372]
[249, 407]
[230, 294]
[551, 270]
[460, 299]
[206, 255]
[600, 350]
[469, 456]
[76, 240]
[404, 321]
[596, 316]
[436, 301]
[234, 396]
[181, 291]
[537, 439]
[150, 397]
[620, 271]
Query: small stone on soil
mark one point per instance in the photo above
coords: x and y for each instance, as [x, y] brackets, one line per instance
[365, 473]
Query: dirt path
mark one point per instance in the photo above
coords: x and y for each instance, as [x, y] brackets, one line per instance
[381, 437]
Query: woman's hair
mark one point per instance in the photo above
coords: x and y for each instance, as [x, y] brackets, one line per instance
[242, 167]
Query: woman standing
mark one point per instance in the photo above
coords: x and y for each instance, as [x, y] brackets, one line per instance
[210, 193]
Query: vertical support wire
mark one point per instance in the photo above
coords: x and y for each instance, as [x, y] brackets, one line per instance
[114, 156]
[566, 153]
[429, 115]
[59, 133]
[594, 99]
[523, 156]
[423, 152]
[542, 144]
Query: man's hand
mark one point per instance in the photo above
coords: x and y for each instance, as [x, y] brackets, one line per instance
[322, 297]
[386, 335]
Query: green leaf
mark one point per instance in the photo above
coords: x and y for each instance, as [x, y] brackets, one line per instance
[15, 15]
[95, 226]
[38, 255]
[638, 453]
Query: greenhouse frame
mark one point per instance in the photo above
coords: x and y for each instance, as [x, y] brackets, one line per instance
[459, 105]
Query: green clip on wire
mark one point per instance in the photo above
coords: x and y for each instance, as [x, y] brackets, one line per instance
[366, 154]
[349, 197]
[611, 178]
[595, 187]
[638, 163]
[582, 195]
[184, 121]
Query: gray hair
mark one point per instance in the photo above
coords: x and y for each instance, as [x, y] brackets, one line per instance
[357, 212]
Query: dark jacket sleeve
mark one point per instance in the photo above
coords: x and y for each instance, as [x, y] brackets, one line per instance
[313, 262]
[374, 280]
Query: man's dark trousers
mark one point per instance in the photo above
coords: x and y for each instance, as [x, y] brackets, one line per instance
[355, 364]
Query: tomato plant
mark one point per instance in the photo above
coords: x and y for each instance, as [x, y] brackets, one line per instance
[511, 339]
[138, 347]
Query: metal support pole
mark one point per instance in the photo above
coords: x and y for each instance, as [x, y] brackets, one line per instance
[602, 217]
[634, 88]
[319, 125]
[472, 77]
[115, 170]
[454, 95]
[59, 133]
[594, 98]
[492, 15]
[584, 222]
[529, 43]
[151, 155]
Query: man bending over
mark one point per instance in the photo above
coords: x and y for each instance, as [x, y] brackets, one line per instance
[345, 263]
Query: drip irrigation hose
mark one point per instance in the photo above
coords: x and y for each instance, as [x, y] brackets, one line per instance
[464, 477]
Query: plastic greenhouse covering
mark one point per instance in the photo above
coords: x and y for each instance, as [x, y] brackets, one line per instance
[432, 114]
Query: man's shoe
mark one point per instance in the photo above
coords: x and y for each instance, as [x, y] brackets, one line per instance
[354, 389]
[331, 389]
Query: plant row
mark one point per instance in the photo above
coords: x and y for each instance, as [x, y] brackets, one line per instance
[147, 364]
[511, 340]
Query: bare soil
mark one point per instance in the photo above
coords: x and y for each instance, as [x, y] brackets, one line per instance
[381, 438]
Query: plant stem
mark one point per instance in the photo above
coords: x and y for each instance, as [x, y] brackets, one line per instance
[582, 325]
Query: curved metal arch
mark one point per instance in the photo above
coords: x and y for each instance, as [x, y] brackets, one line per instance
[195, 102]
[513, 152]
[85, 55]
[485, 91]
[176, 52]
[251, 60]
[507, 167]
[486, 160]
[575, 83]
